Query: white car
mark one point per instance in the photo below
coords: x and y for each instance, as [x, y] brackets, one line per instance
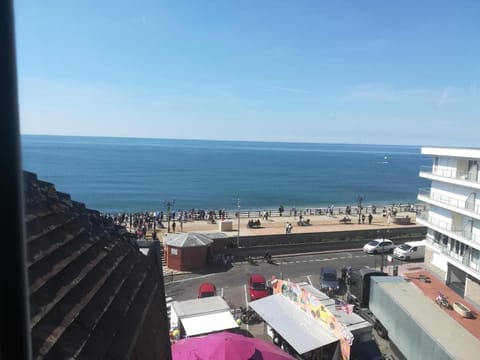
[378, 246]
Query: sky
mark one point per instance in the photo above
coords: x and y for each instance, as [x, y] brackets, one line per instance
[371, 72]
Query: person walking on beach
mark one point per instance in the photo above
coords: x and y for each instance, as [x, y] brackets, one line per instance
[370, 218]
[174, 226]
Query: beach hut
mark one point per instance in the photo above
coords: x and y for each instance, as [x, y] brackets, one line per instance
[187, 251]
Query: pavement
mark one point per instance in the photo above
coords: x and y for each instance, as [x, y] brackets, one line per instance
[433, 286]
[276, 225]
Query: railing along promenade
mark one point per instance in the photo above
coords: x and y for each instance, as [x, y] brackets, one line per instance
[335, 210]
[200, 214]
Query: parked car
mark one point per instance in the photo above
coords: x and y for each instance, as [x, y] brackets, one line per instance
[378, 246]
[207, 290]
[257, 287]
[329, 280]
[410, 250]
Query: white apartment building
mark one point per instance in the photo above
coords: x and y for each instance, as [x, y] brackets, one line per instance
[453, 218]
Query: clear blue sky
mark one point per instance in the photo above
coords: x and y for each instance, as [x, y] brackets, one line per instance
[388, 72]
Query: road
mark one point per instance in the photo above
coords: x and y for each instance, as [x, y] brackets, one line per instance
[305, 268]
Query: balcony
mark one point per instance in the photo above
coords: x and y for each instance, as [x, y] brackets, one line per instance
[455, 177]
[467, 208]
[463, 262]
[467, 237]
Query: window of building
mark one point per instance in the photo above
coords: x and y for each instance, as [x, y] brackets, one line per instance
[444, 239]
[475, 259]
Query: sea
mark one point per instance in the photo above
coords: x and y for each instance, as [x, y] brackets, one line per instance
[131, 174]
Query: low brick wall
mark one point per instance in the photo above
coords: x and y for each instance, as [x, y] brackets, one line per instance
[402, 220]
[311, 242]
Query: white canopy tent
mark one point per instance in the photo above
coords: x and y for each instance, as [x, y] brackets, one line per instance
[298, 328]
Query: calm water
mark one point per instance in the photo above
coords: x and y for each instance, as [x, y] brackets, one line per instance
[122, 174]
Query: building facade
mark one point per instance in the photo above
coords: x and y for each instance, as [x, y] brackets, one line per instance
[453, 218]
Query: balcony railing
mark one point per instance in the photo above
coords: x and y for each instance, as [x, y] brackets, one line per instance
[466, 259]
[449, 173]
[449, 200]
[456, 231]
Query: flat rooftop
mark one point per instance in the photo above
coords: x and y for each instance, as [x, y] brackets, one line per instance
[201, 306]
[455, 339]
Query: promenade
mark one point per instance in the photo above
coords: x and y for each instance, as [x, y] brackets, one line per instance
[277, 225]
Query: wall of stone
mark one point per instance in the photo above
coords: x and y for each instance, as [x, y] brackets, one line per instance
[310, 242]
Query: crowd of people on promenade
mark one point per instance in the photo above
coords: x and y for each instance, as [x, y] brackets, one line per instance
[146, 221]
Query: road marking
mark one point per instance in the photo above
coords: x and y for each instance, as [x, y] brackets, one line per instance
[188, 279]
[310, 281]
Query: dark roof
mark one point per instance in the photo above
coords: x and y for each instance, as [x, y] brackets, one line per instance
[89, 286]
[189, 239]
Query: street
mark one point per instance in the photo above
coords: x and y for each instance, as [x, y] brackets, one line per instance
[303, 268]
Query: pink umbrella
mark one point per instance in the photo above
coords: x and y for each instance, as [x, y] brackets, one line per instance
[227, 346]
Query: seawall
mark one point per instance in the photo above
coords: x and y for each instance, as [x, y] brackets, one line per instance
[257, 245]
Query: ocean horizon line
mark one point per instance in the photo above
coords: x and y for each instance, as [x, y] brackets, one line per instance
[226, 140]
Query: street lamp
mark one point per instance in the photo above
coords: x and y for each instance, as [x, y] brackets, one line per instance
[383, 247]
[360, 200]
[238, 224]
[168, 204]
[154, 234]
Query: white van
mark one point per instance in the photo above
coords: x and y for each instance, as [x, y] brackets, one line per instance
[410, 250]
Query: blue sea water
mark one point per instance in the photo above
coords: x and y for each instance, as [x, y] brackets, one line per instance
[129, 174]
